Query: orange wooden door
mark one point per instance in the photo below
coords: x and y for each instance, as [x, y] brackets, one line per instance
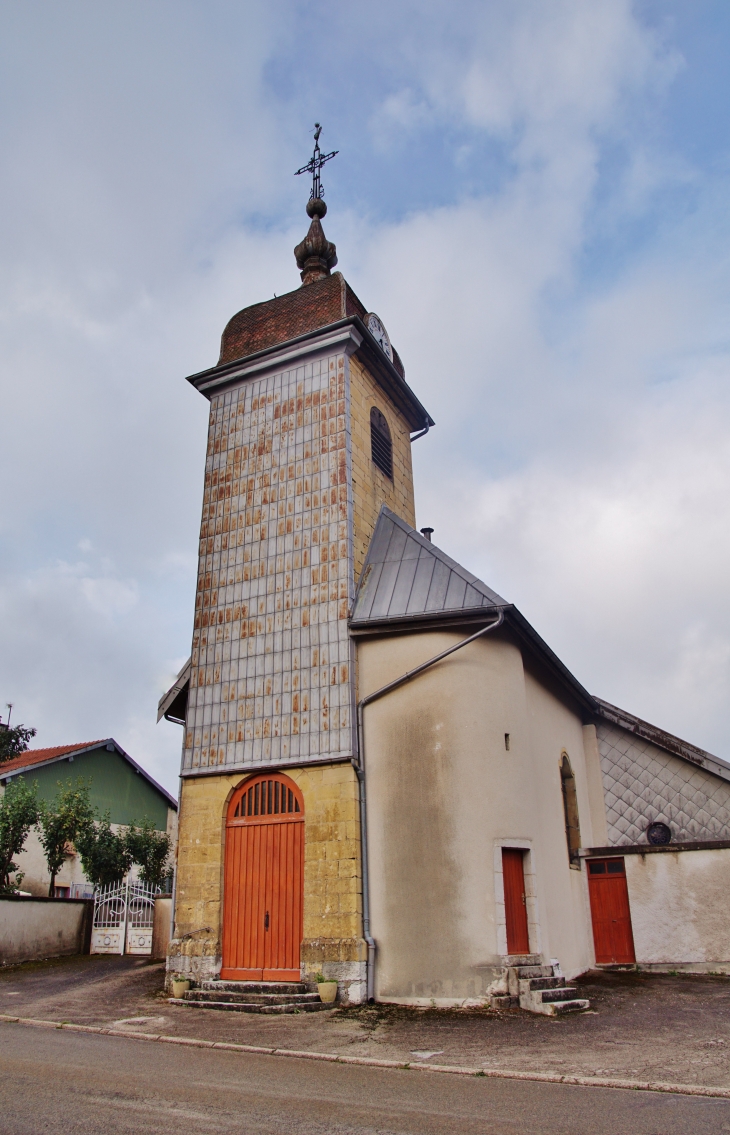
[612, 934]
[264, 881]
[513, 873]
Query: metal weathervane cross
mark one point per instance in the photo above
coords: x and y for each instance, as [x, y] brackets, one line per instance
[314, 165]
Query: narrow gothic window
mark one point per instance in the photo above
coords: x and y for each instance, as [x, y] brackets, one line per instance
[382, 446]
[570, 807]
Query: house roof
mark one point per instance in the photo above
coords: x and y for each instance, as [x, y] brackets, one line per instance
[45, 756]
[34, 758]
[405, 577]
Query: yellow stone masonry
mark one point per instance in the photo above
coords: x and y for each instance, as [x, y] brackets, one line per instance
[370, 487]
[332, 871]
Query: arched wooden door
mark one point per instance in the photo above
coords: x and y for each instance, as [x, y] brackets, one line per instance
[264, 881]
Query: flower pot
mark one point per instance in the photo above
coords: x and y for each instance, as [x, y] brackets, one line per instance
[327, 991]
[180, 986]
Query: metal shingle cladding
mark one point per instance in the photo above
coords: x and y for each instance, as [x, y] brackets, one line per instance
[406, 575]
[642, 784]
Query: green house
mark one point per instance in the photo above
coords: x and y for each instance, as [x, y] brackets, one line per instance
[118, 785]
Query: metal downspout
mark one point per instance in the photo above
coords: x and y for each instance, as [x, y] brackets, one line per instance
[360, 771]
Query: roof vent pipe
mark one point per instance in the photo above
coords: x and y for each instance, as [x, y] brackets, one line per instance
[427, 532]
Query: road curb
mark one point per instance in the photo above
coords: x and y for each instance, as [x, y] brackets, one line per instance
[374, 1062]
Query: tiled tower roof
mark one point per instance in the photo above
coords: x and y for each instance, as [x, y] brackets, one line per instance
[286, 317]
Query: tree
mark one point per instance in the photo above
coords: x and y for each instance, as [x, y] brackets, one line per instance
[151, 850]
[105, 856]
[14, 741]
[18, 813]
[63, 822]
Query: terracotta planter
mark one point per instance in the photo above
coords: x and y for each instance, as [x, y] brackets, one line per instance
[327, 991]
[180, 986]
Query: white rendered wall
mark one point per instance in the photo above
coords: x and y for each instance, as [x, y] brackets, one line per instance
[444, 795]
[679, 908]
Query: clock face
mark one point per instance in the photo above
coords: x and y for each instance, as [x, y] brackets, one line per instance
[378, 332]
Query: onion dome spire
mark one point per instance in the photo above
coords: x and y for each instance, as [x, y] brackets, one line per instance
[316, 255]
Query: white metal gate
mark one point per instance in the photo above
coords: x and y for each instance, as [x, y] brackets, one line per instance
[124, 915]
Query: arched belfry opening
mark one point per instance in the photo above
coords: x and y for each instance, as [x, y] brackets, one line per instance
[381, 442]
[570, 808]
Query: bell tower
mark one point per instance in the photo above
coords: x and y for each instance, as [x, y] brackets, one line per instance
[309, 434]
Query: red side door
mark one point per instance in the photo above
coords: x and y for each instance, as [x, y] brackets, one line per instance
[610, 912]
[513, 873]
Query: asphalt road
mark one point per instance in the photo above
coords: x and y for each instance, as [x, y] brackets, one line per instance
[70, 1083]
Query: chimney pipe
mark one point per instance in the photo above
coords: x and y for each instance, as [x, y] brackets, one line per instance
[427, 533]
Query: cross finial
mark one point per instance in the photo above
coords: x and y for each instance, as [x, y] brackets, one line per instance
[314, 165]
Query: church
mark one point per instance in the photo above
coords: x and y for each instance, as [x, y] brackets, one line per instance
[388, 777]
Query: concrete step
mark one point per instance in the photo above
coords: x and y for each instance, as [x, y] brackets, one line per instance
[202, 995]
[254, 1007]
[564, 994]
[542, 983]
[524, 972]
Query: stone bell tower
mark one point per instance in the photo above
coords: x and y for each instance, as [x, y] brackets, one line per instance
[309, 434]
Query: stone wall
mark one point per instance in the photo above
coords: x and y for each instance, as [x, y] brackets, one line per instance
[332, 876]
[370, 487]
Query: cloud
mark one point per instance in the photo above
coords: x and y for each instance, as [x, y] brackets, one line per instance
[507, 200]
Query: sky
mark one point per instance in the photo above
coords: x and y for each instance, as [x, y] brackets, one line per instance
[534, 199]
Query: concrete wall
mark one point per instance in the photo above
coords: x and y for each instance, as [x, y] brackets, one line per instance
[31, 928]
[679, 908]
[161, 926]
[444, 796]
[332, 876]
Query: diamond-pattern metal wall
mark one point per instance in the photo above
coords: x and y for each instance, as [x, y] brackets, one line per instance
[643, 783]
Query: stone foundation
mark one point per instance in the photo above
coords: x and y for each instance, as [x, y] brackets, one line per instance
[341, 959]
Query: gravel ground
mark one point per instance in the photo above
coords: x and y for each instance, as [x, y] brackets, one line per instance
[640, 1026]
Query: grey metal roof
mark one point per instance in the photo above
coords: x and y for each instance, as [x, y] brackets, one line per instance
[406, 576]
[174, 702]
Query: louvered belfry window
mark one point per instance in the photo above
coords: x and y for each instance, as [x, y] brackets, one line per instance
[382, 446]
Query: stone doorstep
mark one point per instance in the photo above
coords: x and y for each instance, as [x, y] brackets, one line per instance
[201, 996]
[254, 997]
[250, 1007]
[257, 986]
